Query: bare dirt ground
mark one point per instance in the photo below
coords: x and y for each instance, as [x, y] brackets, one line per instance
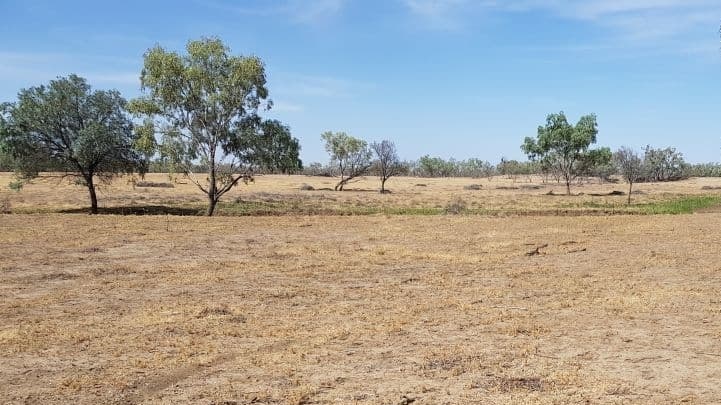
[360, 310]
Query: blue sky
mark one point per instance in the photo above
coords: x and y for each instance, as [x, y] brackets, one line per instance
[449, 78]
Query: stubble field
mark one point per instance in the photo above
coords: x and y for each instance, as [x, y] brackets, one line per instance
[396, 307]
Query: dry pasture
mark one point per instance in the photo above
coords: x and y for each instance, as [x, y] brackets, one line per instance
[282, 194]
[373, 309]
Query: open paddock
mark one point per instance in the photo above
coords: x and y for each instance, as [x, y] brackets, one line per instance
[373, 309]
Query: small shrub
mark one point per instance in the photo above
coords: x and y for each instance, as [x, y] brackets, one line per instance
[16, 185]
[455, 206]
[5, 207]
[153, 184]
[473, 187]
[306, 187]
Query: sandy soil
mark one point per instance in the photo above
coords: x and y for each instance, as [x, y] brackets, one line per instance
[366, 310]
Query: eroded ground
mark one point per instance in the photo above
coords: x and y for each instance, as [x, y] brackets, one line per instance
[367, 310]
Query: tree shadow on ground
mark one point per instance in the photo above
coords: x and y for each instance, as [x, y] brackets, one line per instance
[138, 210]
[361, 190]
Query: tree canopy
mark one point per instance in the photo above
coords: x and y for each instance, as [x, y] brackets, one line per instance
[271, 148]
[663, 164]
[204, 104]
[563, 147]
[629, 165]
[67, 126]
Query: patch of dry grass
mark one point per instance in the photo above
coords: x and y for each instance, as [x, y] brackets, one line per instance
[372, 309]
[281, 195]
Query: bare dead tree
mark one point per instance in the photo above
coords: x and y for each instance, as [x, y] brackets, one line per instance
[388, 163]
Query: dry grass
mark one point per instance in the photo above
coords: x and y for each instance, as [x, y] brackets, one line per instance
[443, 309]
[280, 195]
[371, 309]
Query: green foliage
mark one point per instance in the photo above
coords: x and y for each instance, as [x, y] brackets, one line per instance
[663, 164]
[684, 205]
[16, 185]
[204, 105]
[474, 167]
[145, 142]
[271, 149]
[428, 166]
[598, 163]
[513, 168]
[351, 155]
[66, 126]
[563, 148]
[702, 170]
[436, 167]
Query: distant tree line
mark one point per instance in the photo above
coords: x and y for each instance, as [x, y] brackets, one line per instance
[659, 165]
[200, 116]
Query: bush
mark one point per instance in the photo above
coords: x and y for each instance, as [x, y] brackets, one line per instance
[455, 206]
[153, 184]
[662, 165]
[473, 187]
[306, 187]
[5, 207]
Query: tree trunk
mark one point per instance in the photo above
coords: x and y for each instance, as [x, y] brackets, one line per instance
[212, 202]
[383, 185]
[212, 189]
[568, 187]
[339, 186]
[630, 185]
[93, 195]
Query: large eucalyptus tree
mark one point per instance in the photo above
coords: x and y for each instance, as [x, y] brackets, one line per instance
[204, 104]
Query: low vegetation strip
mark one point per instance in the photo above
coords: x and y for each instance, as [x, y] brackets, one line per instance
[684, 205]
[678, 205]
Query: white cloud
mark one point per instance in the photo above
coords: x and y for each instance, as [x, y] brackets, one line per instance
[440, 14]
[314, 11]
[638, 22]
[300, 11]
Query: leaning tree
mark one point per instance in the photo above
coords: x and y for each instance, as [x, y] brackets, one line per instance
[66, 126]
[351, 155]
[204, 105]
